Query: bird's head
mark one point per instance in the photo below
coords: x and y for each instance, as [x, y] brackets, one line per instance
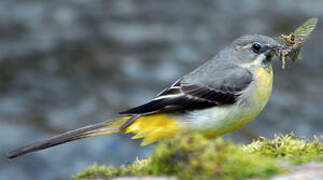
[254, 50]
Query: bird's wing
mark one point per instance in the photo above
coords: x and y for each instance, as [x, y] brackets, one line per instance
[190, 93]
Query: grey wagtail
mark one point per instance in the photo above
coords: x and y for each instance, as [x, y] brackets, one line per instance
[223, 94]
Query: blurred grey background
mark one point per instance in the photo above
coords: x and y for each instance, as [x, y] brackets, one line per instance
[68, 63]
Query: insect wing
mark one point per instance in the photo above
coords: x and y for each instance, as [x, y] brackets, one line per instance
[304, 30]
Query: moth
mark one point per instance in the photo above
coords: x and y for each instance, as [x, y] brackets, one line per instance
[291, 45]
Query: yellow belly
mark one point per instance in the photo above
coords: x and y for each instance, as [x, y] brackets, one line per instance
[154, 127]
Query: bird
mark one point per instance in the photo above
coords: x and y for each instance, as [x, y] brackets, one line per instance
[223, 94]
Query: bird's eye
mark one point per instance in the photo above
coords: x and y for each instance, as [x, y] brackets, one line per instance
[256, 47]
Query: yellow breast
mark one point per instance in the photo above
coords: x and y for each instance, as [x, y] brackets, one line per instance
[263, 84]
[223, 119]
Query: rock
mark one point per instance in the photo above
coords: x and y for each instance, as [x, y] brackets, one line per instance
[309, 171]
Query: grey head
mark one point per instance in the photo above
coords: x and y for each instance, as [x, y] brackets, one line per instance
[242, 55]
[254, 47]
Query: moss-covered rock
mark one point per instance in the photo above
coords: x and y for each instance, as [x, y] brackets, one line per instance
[288, 148]
[195, 157]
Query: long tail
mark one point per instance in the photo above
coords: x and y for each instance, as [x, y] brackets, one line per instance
[88, 131]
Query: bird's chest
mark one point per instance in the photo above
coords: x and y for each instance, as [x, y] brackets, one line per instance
[263, 85]
[222, 119]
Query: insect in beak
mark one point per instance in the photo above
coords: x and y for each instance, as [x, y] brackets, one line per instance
[291, 45]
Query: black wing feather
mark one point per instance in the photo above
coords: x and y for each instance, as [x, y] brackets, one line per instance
[209, 94]
[151, 106]
[188, 96]
[193, 97]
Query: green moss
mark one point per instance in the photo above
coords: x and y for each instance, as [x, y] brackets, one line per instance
[103, 172]
[195, 157]
[289, 148]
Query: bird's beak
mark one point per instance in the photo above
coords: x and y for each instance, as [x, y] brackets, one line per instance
[271, 50]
